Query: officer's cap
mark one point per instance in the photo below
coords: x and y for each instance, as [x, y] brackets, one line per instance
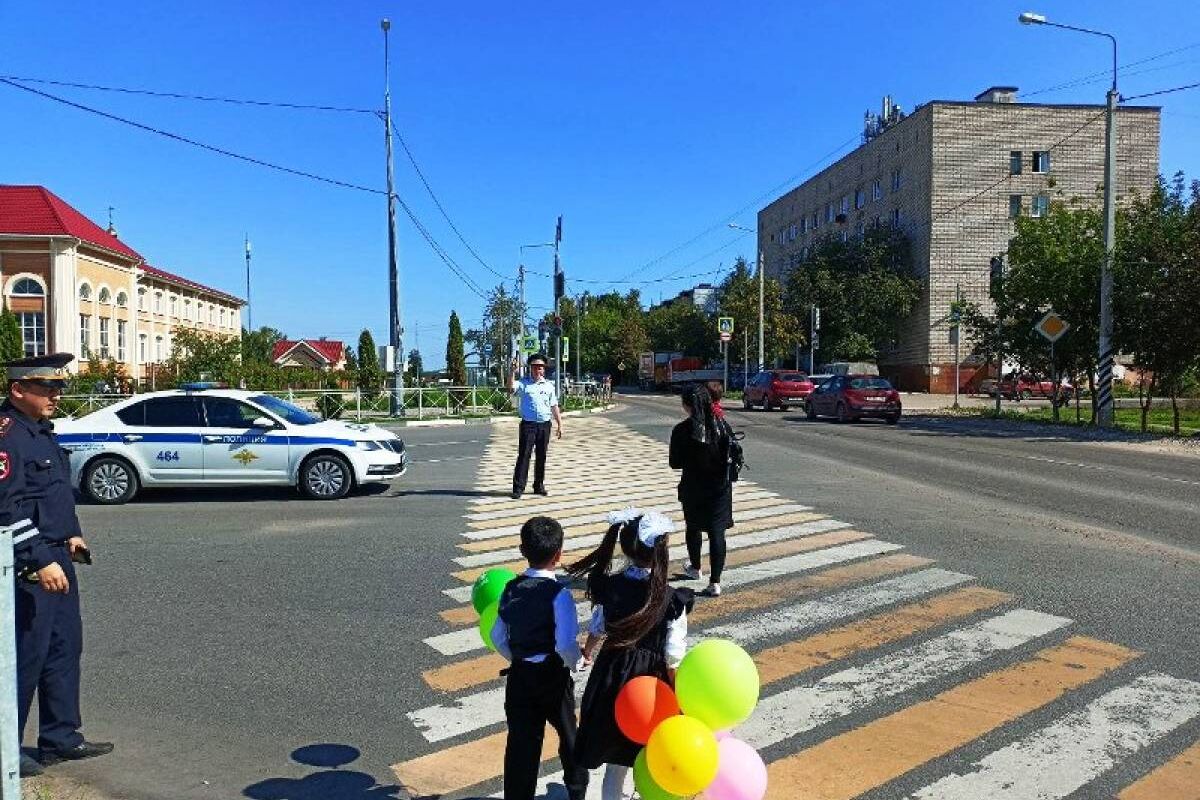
[50, 367]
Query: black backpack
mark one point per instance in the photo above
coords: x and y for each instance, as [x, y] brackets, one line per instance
[735, 459]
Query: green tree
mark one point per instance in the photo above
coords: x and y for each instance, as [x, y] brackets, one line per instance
[456, 360]
[370, 375]
[351, 361]
[681, 326]
[738, 298]
[197, 355]
[415, 367]
[257, 346]
[12, 345]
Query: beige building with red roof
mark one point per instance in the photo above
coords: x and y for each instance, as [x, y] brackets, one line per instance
[326, 354]
[76, 288]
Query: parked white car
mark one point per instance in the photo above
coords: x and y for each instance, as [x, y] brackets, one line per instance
[202, 436]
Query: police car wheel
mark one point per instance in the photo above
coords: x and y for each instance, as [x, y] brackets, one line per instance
[110, 481]
[325, 477]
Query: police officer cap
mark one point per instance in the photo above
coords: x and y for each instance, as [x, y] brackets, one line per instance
[50, 367]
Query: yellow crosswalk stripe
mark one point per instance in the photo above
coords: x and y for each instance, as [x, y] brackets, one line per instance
[601, 508]
[1178, 779]
[845, 766]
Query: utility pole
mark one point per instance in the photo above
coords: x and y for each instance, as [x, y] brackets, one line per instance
[559, 288]
[745, 358]
[1104, 406]
[955, 316]
[521, 291]
[249, 313]
[395, 331]
[997, 286]
[761, 361]
[814, 332]
[580, 305]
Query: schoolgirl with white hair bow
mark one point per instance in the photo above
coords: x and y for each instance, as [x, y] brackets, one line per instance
[640, 625]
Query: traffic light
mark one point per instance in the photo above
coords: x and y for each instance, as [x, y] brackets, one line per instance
[560, 285]
[996, 276]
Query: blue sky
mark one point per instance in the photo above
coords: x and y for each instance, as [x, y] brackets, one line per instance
[647, 126]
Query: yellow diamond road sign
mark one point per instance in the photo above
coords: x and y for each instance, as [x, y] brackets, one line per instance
[1052, 326]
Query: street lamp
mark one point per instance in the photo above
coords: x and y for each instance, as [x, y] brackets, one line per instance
[521, 281]
[1104, 400]
[761, 361]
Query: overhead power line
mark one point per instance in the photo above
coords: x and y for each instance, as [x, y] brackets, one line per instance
[241, 101]
[1105, 74]
[1162, 91]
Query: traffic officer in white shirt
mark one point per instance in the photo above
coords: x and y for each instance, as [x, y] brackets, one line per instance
[538, 405]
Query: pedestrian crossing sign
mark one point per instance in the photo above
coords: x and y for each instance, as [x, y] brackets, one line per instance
[529, 344]
[725, 325]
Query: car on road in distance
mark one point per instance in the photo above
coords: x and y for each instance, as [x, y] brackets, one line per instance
[203, 436]
[776, 388]
[849, 398]
[1026, 387]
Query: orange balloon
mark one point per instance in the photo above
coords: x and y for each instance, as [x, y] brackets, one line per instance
[642, 703]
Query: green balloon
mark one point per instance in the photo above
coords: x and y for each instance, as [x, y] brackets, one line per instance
[647, 789]
[488, 587]
[717, 683]
[487, 620]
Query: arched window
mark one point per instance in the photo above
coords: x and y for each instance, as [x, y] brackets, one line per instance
[105, 296]
[222, 317]
[122, 299]
[27, 287]
[212, 315]
[85, 292]
[141, 299]
[158, 302]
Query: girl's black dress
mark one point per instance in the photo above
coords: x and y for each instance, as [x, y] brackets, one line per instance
[600, 741]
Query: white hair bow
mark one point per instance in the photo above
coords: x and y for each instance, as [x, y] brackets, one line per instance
[654, 524]
[624, 516]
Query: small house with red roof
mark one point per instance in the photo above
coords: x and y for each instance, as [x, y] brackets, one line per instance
[324, 354]
[77, 288]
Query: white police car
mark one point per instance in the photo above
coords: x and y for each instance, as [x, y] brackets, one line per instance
[199, 435]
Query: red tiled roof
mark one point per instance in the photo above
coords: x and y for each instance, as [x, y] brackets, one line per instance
[38, 211]
[162, 274]
[331, 349]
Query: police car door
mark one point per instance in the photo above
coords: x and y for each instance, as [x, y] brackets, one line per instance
[164, 434]
[235, 450]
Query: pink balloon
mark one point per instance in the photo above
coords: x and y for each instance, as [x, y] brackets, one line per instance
[725, 734]
[741, 773]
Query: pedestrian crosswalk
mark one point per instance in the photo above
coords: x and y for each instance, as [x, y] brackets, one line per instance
[874, 662]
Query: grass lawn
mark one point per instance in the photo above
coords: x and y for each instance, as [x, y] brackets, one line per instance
[1130, 419]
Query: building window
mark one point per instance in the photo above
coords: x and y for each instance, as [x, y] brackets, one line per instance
[1014, 206]
[844, 236]
[803, 225]
[1015, 160]
[104, 337]
[860, 198]
[141, 348]
[141, 299]
[816, 220]
[876, 190]
[1041, 161]
[1040, 207]
[845, 204]
[174, 301]
[27, 287]
[858, 229]
[105, 295]
[120, 340]
[895, 218]
[875, 223]
[122, 299]
[158, 302]
[85, 335]
[158, 349]
[897, 180]
[85, 292]
[33, 332]
[187, 309]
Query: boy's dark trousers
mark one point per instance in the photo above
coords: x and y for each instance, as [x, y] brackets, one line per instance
[534, 695]
[533, 439]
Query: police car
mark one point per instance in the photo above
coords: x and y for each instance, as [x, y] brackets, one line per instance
[200, 435]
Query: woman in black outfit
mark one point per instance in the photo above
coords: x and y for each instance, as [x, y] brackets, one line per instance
[697, 448]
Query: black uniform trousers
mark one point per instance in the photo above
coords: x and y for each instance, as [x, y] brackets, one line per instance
[49, 646]
[534, 695]
[533, 436]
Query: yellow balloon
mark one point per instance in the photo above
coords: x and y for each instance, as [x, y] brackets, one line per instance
[682, 755]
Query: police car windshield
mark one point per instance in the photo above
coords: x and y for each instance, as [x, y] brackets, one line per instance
[293, 414]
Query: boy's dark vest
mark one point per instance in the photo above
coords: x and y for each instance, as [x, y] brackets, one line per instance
[527, 608]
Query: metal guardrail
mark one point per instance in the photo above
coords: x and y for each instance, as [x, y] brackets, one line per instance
[425, 402]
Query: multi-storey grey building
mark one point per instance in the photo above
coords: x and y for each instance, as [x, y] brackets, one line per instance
[953, 176]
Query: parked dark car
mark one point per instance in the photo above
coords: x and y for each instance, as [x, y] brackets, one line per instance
[851, 397]
[1025, 387]
[776, 388]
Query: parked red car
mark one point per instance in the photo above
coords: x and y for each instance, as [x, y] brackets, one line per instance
[852, 397]
[1024, 387]
[776, 388]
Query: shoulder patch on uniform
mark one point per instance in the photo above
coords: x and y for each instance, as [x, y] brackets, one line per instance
[5, 425]
[4, 465]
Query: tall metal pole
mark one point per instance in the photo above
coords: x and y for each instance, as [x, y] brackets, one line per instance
[761, 361]
[395, 331]
[579, 305]
[249, 313]
[745, 358]
[557, 313]
[10, 745]
[957, 338]
[1104, 405]
[521, 284]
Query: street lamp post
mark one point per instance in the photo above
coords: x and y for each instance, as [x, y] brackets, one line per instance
[395, 330]
[1104, 396]
[761, 361]
[521, 283]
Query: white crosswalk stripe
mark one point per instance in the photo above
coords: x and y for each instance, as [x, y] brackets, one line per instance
[1066, 755]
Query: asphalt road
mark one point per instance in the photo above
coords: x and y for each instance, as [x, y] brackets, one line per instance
[252, 644]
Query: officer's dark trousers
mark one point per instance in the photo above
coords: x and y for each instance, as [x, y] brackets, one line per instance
[534, 435]
[49, 645]
[537, 694]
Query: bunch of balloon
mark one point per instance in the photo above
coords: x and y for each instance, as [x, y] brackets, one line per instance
[485, 597]
[689, 749]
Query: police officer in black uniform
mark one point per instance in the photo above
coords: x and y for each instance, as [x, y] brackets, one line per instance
[37, 500]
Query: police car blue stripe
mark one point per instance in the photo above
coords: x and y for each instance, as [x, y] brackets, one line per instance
[191, 438]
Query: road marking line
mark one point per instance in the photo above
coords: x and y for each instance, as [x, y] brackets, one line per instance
[590, 489]
[855, 762]
[1178, 779]
[677, 552]
[548, 505]
[481, 709]
[467, 639]
[794, 711]
[482, 669]
[1064, 756]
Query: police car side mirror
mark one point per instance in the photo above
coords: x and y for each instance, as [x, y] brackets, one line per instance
[263, 422]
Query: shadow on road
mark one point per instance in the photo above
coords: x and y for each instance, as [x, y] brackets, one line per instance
[332, 783]
[246, 494]
[452, 492]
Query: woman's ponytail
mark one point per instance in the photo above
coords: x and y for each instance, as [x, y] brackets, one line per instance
[596, 564]
[630, 630]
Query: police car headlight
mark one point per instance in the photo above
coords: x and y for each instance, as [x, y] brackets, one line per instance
[367, 445]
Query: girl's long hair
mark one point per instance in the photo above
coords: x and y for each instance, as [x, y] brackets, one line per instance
[704, 423]
[597, 564]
